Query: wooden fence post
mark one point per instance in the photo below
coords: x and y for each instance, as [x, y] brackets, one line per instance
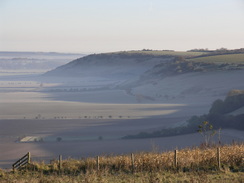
[28, 160]
[13, 168]
[29, 157]
[132, 162]
[60, 162]
[98, 163]
[218, 158]
[175, 159]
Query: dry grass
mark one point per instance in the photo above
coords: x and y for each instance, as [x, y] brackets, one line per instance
[145, 177]
[188, 160]
[194, 165]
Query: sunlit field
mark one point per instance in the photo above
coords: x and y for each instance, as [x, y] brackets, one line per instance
[35, 105]
[221, 59]
[166, 52]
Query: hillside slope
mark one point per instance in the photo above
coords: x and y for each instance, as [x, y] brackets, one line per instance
[159, 76]
[148, 64]
[118, 65]
[222, 115]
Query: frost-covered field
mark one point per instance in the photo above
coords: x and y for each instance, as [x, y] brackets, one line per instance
[35, 97]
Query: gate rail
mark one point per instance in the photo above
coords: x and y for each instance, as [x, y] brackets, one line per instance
[22, 161]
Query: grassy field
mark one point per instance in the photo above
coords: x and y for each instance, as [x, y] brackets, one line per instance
[159, 52]
[142, 177]
[194, 165]
[221, 59]
[180, 53]
[218, 59]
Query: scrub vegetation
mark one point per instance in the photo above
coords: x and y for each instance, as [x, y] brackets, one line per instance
[219, 117]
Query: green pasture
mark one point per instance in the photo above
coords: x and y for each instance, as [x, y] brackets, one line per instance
[221, 59]
[161, 52]
[177, 53]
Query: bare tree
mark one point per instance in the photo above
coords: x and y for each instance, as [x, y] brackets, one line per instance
[207, 132]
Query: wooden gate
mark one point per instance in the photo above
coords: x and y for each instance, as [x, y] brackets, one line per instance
[22, 161]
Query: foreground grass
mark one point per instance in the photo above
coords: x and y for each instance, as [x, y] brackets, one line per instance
[194, 165]
[141, 177]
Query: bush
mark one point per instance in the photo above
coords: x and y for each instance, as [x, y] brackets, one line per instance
[59, 139]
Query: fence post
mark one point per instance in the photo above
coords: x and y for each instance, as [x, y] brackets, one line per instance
[28, 160]
[60, 162]
[175, 159]
[98, 163]
[218, 158]
[132, 162]
[29, 157]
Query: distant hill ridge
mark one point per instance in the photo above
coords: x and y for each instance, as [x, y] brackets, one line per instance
[148, 63]
[34, 60]
[119, 65]
[221, 51]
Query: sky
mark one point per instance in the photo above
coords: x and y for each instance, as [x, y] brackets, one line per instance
[94, 26]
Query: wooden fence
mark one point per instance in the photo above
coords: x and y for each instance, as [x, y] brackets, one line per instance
[132, 159]
[26, 160]
[22, 161]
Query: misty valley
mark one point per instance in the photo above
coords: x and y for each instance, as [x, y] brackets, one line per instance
[116, 103]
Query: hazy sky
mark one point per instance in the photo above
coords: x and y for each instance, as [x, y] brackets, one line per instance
[113, 25]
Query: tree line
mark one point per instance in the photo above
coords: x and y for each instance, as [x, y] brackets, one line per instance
[219, 116]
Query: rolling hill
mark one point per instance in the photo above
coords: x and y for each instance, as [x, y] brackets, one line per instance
[146, 63]
[121, 65]
[161, 76]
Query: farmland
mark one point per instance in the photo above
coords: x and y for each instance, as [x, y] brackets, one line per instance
[221, 59]
[85, 114]
[164, 52]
